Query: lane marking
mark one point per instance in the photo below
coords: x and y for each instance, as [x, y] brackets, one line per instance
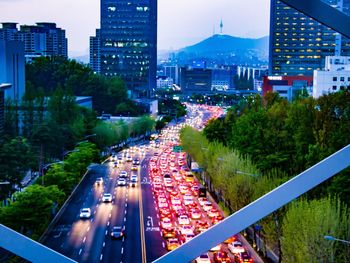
[84, 239]
[122, 250]
[108, 223]
[104, 244]
[88, 229]
[101, 257]
[163, 244]
[81, 250]
[124, 219]
[125, 212]
[106, 232]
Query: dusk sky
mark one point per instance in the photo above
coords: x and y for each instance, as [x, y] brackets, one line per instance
[180, 22]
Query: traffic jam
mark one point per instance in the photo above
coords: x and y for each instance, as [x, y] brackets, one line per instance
[184, 207]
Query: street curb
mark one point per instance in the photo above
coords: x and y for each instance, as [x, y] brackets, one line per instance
[60, 212]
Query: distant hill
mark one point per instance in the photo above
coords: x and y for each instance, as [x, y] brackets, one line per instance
[227, 49]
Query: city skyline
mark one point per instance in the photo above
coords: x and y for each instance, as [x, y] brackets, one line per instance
[200, 20]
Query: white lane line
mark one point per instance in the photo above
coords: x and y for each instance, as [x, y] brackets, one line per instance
[96, 205]
[160, 233]
[84, 239]
[81, 250]
[109, 215]
[106, 232]
[123, 239]
[126, 205]
[101, 257]
[108, 223]
[92, 220]
[104, 244]
[122, 250]
[163, 244]
[125, 212]
[124, 219]
[88, 229]
[95, 212]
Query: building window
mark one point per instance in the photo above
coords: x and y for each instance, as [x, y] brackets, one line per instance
[341, 78]
[334, 87]
[334, 78]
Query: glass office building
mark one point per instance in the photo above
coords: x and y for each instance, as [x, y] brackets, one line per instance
[128, 43]
[299, 44]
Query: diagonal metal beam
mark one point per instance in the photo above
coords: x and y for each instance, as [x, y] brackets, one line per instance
[260, 208]
[29, 249]
[323, 13]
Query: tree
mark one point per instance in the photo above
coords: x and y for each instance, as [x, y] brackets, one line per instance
[306, 223]
[32, 209]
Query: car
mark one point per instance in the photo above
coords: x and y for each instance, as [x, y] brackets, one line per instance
[183, 220]
[129, 158]
[213, 213]
[230, 240]
[115, 164]
[186, 230]
[134, 168]
[107, 197]
[221, 257]
[117, 232]
[243, 257]
[99, 181]
[216, 248]
[121, 182]
[85, 213]
[166, 222]
[202, 200]
[235, 247]
[136, 162]
[204, 258]
[175, 201]
[168, 232]
[207, 206]
[133, 181]
[188, 199]
[188, 237]
[196, 214]
[172, 243]
[123, 174]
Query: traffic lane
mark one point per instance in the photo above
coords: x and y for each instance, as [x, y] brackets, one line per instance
[155, 244]
[62, 230]
[132, 245]
[94, 241]
[113, 249]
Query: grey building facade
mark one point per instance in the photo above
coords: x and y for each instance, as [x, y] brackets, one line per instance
[128, 43]
[299, 44]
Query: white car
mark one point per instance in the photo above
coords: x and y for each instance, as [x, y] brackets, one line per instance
[121, 182]
[175, 201]
[188, 199]
[85, 213]
[123, 174]
[183, 220]
[207, 206]
[235, 247]
[188, 237]
[107, 197]
[186, 230]
[166, 223]
[202, 200]
[216, 248]
[204, 258]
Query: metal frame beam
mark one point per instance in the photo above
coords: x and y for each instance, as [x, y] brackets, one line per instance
[323, 13]
[28, 248]
[260, 208]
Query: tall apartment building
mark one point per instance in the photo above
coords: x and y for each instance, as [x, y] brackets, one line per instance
[95, 57]
[128, 43]
[42, 39]
[299, 44]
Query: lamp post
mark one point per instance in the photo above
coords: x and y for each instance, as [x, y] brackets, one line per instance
[331, 238]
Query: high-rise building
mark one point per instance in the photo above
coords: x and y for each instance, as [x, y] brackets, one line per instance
[299, 44]
[12, 68]
[42, 39]
[128, 43]
[95, 57]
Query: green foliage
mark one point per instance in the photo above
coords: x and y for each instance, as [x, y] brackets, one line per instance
[307, 222]
[48, 74]
[32, 210]
[15, 158]
[171, 107]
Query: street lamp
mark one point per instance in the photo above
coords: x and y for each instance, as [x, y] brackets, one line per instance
[238, 171]
[331, 238]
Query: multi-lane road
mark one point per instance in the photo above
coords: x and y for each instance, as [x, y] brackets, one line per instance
[135, 209]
